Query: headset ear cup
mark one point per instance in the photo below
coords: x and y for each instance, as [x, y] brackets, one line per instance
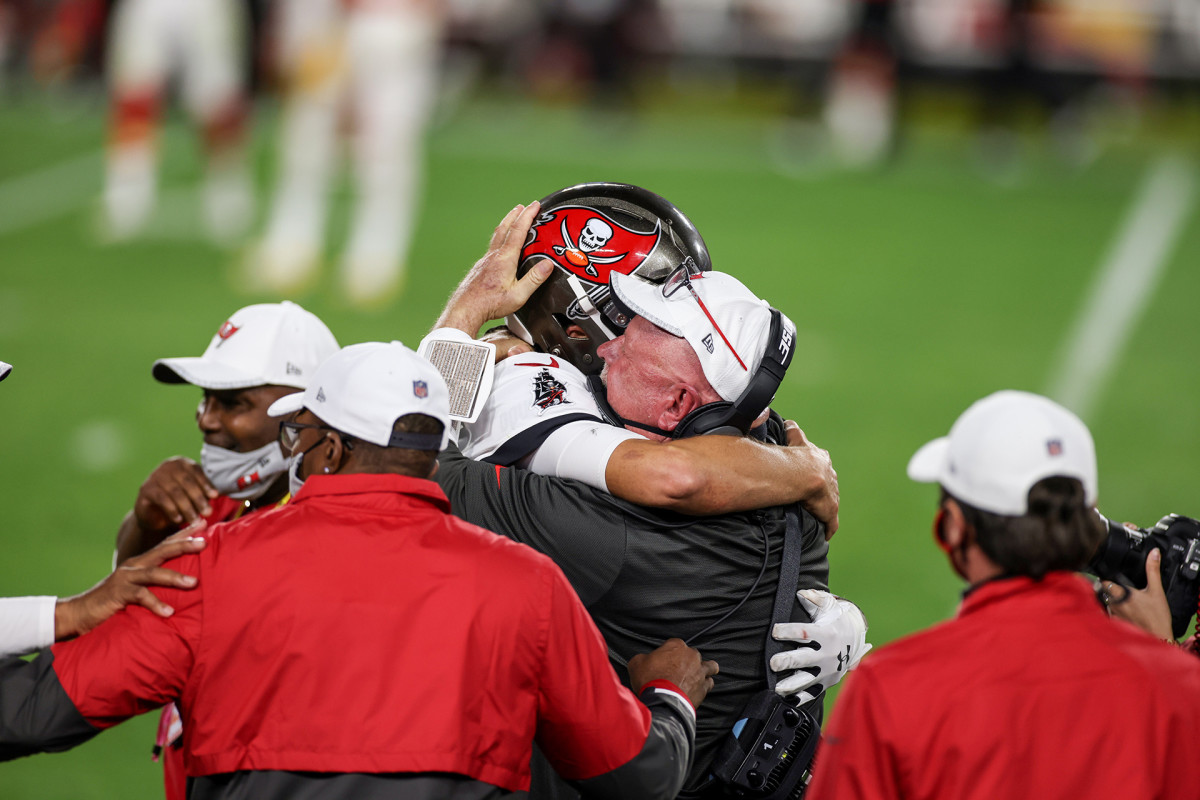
[705, 419]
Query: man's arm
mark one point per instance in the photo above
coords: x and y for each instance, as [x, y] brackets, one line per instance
[601, 738]
[580, 528]
[133, 663]
[705, 475]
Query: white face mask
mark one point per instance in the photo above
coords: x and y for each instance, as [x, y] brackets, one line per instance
[242, 476]
[293, 471]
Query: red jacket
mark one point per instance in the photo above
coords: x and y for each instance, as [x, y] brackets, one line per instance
[1031, 692]
[443, 647]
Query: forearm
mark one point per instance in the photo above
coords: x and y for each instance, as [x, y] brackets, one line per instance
[712, 474]
[461, 316]
[36, 715]
[659, 770]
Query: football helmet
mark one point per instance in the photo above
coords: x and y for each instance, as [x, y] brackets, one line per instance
[590, 231]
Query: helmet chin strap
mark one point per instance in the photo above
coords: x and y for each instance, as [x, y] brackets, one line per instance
[612, 417]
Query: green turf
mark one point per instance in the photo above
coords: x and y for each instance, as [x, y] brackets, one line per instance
[917, 289]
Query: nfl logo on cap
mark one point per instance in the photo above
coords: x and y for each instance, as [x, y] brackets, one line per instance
[420, 389]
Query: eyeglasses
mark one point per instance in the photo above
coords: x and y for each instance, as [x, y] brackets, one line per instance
[289, 435]
[681, 277]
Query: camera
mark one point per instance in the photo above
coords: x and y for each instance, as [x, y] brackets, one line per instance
[1122, 559]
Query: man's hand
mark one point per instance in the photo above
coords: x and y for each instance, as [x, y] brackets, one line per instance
[127, 584]
[177, 493]
[824, 499]
[491, 289]
[1147, 608]
[677, 663]
[827, 648]
[507, 343]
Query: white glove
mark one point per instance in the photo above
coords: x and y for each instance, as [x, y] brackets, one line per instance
[826, 648]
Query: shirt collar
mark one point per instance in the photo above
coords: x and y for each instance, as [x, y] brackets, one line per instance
[419, 489]
[1005, 587]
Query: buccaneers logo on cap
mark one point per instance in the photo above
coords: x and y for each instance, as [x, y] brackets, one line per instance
[589, 243]
[226, 330]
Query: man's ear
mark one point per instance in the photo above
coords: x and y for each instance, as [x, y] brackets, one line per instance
[684, 399]
[332, 453]
[953, 529]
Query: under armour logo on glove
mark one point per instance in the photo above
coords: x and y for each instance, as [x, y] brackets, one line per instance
[826, 648]
[844, 660]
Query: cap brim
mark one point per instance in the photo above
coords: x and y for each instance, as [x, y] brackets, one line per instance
[4, 370]
[288, 404]
[644, 299]
[928, 465]
[204, 374]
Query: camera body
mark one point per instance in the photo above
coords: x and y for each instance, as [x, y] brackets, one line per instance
[1122, 558]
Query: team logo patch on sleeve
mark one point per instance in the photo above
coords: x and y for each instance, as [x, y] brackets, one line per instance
[589, 243]
[547, 391]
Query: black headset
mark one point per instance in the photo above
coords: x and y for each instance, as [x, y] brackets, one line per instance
[725, 417]
[735, 418]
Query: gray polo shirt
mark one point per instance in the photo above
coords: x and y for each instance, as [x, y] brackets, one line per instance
[647, 575]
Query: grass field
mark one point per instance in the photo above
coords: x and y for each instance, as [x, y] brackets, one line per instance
[916, 289]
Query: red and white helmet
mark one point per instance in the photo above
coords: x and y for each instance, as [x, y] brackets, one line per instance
[591, 231]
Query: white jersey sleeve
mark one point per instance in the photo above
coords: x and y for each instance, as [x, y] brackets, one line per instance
[26, 624]
[579, 450]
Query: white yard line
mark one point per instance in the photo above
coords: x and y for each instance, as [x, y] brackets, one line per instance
[1125, 284]
[51, 192]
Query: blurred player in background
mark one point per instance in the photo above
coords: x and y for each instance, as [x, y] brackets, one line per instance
[376, 60]
[202, 43]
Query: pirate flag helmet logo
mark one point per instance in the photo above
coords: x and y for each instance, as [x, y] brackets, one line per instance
[591, 231]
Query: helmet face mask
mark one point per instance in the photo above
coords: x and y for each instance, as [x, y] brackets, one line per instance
[590, 231]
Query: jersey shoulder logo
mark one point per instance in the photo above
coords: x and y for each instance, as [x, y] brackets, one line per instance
[588, 243]
[548, 391]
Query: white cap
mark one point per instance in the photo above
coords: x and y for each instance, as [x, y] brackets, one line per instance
[728, 327]
[4, 370]
[365, 388]
[278, 344]
[1001, 446]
